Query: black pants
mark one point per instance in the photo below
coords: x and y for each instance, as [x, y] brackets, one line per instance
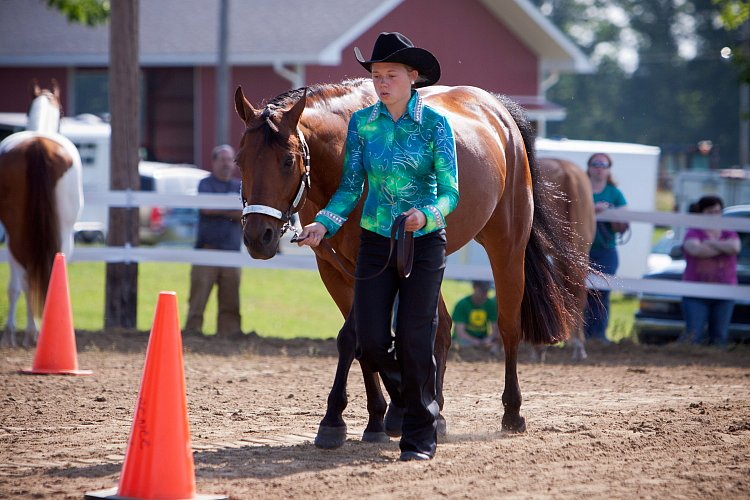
[409, 373]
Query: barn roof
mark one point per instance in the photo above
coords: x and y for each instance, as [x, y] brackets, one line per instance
[261, 32]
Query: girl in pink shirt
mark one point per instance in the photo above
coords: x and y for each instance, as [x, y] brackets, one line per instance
[711, 257]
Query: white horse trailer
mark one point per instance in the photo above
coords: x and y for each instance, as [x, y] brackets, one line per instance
[91, 136]
[634, 168]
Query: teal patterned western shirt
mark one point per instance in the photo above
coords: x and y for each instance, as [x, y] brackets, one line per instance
[408, 163]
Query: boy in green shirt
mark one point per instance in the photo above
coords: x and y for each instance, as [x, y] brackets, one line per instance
[475, 319]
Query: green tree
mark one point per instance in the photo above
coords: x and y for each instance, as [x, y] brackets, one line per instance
[660, 77]
[735, 16]
[86, 12]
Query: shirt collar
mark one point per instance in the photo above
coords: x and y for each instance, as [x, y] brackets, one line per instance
[413, 108]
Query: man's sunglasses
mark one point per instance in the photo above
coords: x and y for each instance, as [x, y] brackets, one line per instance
[600, 164]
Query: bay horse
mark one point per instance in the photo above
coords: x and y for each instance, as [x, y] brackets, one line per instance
[290, 156]
[574, 203]
[41, 195]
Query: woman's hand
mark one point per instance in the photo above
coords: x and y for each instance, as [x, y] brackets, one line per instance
[415, 220]
[312, 234]
[601, 206]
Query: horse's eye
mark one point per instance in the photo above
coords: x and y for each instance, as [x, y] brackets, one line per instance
[289, 161]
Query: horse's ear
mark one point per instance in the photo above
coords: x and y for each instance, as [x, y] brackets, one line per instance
[55, 89]
[35, 90]
[243, 107]
[291, 117]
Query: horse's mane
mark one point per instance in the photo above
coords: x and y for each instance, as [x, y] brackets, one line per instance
[316, 94]
[319, 95]
[35, 115]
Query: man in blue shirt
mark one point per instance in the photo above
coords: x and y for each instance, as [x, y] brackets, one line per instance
[218, 229]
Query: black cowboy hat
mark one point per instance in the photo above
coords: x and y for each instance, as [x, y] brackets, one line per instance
[396, 48]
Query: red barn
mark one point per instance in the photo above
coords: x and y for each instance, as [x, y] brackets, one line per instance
[504, 46]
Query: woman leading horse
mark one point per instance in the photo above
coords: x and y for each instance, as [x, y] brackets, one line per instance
[291, 156]
[408, 154]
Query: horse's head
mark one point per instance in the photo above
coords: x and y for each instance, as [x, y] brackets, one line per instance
[45, 110]
[274, 161]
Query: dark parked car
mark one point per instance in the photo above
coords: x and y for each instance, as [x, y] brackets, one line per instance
[659, 317]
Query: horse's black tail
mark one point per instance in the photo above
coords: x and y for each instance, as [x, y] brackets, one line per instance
[555, 270]
[44, 226]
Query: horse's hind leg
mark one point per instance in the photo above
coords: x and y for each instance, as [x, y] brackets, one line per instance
[9, 333]
[15, 286]
[578, 343]
[31, 334]
[507, 261]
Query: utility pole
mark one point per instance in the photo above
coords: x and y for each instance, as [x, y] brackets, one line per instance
[121, 299]
[745, 101]
[222, 77]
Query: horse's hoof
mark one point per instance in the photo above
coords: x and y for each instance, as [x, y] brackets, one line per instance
[515, 425]
[579, 354]
[330, 437]
[442, 426]
[394, 417]
[375, 437]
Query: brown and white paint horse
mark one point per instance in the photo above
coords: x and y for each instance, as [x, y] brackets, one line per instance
[41, 196]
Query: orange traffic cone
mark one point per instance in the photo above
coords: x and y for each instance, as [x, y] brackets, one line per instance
[56, 349]
[159, 460]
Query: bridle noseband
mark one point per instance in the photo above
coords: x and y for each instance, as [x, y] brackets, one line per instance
[297, 203]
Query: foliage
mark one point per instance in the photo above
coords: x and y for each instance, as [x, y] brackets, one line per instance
[660, 77]
[735, 15]
[86, 12]
[734, 12]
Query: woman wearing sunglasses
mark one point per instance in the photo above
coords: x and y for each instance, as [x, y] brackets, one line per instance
[603, 253]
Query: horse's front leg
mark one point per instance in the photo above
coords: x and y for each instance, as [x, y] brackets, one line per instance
[442, 346]
[332, 429]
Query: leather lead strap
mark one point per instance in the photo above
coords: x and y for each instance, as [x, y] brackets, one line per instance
[404, 244]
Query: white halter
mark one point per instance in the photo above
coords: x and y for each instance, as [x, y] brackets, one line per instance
[298, 199]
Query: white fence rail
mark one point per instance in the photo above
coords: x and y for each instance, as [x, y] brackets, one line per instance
[304, 258]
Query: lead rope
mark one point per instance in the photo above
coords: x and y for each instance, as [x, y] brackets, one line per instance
[400, 238]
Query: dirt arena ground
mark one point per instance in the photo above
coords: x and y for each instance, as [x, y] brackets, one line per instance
[631, 421]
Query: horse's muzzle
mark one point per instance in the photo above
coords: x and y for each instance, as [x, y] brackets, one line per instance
[261, 237]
